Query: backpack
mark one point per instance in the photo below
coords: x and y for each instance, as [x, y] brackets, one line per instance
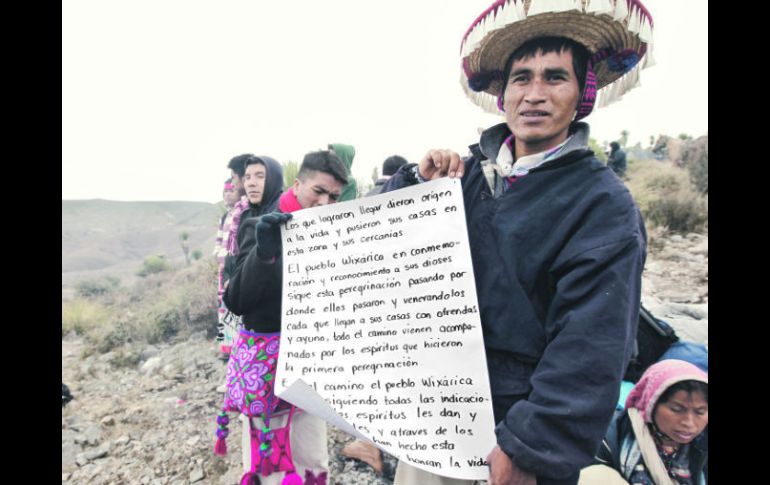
[653, 339]
[66, 396]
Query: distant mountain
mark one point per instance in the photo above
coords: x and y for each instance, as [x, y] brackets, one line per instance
[102, 237]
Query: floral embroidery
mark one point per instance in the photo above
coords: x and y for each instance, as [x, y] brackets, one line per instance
[250, 373]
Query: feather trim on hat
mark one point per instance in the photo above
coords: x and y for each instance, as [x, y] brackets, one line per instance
[520, 12]
[634, 22]
[645, 31]
[545, 6]
[621, 10]
[648, 60]
[598, 7]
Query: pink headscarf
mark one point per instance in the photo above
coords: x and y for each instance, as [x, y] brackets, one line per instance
[656, 379]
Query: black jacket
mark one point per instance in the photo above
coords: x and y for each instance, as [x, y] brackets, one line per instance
[254, 289]
[558, 261]
[377, 187]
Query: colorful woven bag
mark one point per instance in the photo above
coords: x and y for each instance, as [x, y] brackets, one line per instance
[249, 391]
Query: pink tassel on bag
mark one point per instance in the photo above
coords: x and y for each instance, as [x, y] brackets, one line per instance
[292, 478]
[250, 478]
[222, 421]
[221, 447]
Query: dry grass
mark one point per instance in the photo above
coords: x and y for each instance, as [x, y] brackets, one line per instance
[667, 197]
[160, 307]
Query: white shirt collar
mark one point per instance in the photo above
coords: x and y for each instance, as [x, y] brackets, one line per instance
[523, 165]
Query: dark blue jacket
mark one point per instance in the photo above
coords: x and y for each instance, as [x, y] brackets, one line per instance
[558, 262]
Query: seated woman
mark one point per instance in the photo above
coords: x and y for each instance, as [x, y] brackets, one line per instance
[661, 437]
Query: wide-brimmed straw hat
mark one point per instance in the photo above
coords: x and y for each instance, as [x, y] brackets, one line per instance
[617, 34]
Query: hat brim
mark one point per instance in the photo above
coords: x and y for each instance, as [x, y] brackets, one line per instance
[595, 32]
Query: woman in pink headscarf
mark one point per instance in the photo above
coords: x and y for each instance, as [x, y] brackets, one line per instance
[661, 437]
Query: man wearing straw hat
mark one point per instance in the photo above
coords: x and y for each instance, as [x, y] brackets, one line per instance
[557, 242]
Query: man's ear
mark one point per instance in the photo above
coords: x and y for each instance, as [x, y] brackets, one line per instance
[295, 185]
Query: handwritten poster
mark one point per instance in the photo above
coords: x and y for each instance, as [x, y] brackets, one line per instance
[381, 333]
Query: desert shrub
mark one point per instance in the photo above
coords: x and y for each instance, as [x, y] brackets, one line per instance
[162, 323]
[594, 146]
[699, 174]
[182, 302]
[153, 265]
[82, 316]
[666, 196]
[96, 287]
[169, 304]
[683, 211]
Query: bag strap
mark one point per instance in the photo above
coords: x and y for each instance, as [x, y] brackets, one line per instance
[649, 451]
[253, 434]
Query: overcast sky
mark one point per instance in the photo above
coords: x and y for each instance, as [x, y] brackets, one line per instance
[158, 95]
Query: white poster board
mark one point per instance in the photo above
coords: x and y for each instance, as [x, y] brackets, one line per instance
[381, 334]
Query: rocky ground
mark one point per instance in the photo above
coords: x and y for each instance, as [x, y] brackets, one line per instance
[675, 283]
[146, 415]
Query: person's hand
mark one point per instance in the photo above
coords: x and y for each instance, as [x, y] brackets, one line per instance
[440, 163]
[503, 471]
[268, 234]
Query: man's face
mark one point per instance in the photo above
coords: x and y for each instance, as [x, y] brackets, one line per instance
[254, 182]
[540, 101]
[230, 197]
[237, 183]
[318, 188]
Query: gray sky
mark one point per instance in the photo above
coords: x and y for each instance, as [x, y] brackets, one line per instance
[158, 95]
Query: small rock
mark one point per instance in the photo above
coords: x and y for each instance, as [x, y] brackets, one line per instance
[73, 422]
[233, 475]
[197, 475]
[151, 365]
[165, 385]
[108, 421]
[701, 249]
[100, 452]
[193, 441]
[201, 335]
[106, 357]
[81, 460]
[91, 470]
[65, 476]
[123, 440]
[87, 368]
[169, 370]
[92, 435]
[149, 352]
[69, 449]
